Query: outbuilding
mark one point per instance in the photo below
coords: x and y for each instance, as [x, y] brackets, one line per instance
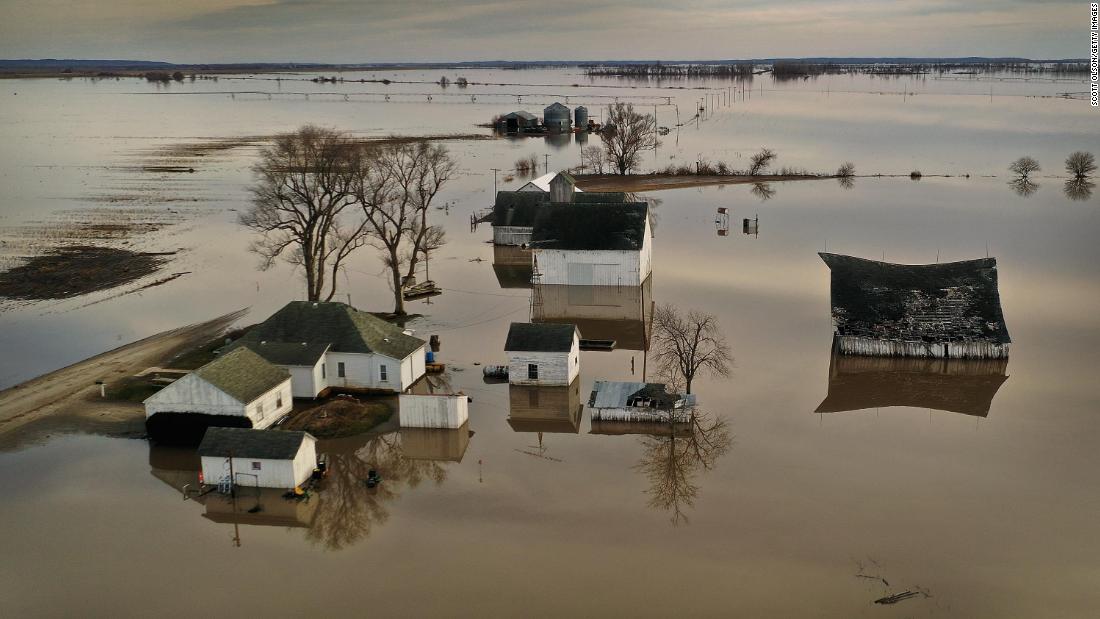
[543, 354]
[517, 122]
[631, 401]
[556, 117]
[262, 458]
[238, 389]
[602, 244]
[433, 410]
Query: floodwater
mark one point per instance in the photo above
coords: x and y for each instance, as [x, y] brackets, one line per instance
[801, 513]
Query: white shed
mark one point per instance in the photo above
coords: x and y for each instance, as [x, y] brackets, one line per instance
[435, 410]
[263, 458]
[600, 245]
[542, 183]
[543, 354]
[240, 387]
[629, 401]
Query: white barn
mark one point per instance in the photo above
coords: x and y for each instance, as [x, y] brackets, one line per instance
[238, 389]
[605, 244]
[629, 401]
[516, 213]
[263, 458]
[543, 354]
[542, 183]
[433, 410]
[335, 346]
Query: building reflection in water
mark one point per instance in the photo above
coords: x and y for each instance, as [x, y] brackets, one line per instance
[544, 410]
[341, 510]
[964, 386]
[512, 266]
[619, 313]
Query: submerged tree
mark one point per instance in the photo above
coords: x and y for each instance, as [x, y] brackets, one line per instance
[761, 160]
[672, 460]
[846, 170]
[629, 133]
[1024, 166]
[395, 191]
[592, 159]
[1023, 187]
[1078, 189]
[685, 345]
[303, 205]
[1081, 164]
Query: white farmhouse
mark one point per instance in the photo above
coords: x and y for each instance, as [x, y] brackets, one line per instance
[601, 244]
[628, 401]
[335, 346]
[516, 213]
[263, 458]
[238, 389]
[544, 354]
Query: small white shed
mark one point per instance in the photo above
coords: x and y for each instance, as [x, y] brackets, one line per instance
[628, 401]
[449, 410]
[263, 458]
[543, 354]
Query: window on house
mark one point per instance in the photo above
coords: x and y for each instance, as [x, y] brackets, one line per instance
[279, 401]
[382, 374]
[340, 369]
[532, 371]
[323, 371]
[256, 466]
[260, 410]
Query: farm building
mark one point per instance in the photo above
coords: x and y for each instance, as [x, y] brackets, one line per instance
[619, 314]
[935, 310]
[556, 117]
[602, 244]
[542, 183]
[239, 389]
[518, 122]
[262, 458]
[435, 410]
[334, 345]
[515, 213]
[964, 386]
[542, 354]
[629, 401]
[534, 408]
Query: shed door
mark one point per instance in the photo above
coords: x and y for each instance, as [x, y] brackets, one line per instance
[579, 274]
[605, 274]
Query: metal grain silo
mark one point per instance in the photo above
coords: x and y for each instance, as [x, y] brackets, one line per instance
[556, 117]
[580, 117]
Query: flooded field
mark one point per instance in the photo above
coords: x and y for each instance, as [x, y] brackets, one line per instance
[838, 484]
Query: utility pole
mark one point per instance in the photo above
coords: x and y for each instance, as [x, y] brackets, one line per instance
[547, 156]
[495, 170]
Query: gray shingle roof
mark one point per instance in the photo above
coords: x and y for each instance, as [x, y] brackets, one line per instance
[527, 337]
[343, 327]
[290, 353]
[954, 301]
[599, 226]
[242, 374]
[248, 443]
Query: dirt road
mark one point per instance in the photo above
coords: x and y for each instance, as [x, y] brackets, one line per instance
[67, 400]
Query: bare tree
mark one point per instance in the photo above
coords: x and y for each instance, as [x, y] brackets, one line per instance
[1081, 164]
[672, 460]
[395, 190]
[303, 205]
[761, 160]
[684, 346]
[629, 133]
[592, 159]
[1024, 166]
[846, 170]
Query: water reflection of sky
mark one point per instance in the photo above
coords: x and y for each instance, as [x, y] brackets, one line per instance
[942, 500]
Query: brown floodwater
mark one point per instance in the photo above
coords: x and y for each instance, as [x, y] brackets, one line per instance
[834, 484]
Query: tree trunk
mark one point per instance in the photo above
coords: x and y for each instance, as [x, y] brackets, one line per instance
[398, 296]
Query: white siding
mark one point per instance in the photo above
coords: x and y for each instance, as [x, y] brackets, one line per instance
[191, 394]
[588, 267]
[271, 474]
[433, 411]
[362, 371]
[512, 235]
[265, 410]
[303, 382]
[417, 362]
[554, 368]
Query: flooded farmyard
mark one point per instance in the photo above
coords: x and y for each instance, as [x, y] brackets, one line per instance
[811, 483]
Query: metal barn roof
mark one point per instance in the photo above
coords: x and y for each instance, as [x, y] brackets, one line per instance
[528, 337]
[248, 443]
[242, 374]
[615, 394]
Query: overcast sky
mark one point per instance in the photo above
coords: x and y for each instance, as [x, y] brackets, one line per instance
[424, 30]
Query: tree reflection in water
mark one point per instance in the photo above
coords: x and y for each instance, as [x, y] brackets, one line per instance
[672, 462]
[346, 509]
[846, 182]
[1023, 187]
[1079, 189]
[763, 190]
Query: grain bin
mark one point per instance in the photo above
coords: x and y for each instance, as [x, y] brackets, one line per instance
[580, 117]
[556, 117]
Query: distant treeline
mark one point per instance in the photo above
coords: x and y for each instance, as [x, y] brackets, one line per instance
[740, 70]
[799, 69]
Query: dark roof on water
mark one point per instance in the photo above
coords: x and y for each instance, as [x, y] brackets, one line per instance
[954, 301]
[528, 337]
[600, 226]
[520, 208]
[249, 443]
[340, 325]
[242, 374]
